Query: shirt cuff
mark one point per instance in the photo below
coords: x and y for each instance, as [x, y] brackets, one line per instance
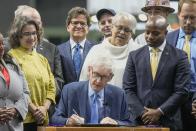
[67, 121]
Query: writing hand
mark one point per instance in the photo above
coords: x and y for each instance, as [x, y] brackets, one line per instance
[75, 119]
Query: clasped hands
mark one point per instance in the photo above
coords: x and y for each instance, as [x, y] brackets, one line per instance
[151, 116]
[39, 113]
[7, 114]
[75, 120]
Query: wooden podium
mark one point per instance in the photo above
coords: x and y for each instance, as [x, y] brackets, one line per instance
[101, 129]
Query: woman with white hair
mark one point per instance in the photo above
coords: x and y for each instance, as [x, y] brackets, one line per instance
[116, 47]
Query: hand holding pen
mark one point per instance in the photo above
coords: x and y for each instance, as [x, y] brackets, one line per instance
[75, 119]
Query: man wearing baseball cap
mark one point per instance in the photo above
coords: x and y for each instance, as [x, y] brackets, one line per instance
[104, 17]
[152, 8]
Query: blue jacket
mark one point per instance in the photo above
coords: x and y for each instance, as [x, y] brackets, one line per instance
[75, 96]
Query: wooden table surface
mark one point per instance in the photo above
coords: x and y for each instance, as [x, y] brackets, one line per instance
[101, 129]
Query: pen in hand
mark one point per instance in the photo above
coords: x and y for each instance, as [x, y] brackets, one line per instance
[75, 112]
[79, 119]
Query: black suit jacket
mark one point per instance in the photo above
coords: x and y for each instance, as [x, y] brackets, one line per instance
[69, 72]
[167, 91]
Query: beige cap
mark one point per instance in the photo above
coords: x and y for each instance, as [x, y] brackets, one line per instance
[158, 3]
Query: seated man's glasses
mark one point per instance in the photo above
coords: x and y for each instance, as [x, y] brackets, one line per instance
[101, 77]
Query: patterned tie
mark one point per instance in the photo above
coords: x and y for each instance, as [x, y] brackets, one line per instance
[95, 108]
[77, 59]
[187, 47]
[154, 61]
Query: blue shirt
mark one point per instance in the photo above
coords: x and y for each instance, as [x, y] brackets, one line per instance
[100, 93]
[180, 43]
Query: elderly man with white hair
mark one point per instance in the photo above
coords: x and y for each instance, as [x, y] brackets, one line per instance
[116, 47]
[93, 101]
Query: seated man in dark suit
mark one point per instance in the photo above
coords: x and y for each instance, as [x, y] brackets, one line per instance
[74, 51]
[93, 101]
[156, 79]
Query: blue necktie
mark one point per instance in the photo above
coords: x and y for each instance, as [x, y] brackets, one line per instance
[77, 59]
[95, 108]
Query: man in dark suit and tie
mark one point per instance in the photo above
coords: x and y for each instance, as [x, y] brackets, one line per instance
[93, 101]
[185, 39]
[156, 79]
[74, 51]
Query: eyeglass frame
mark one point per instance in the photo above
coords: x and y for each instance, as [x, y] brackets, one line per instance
[27, 34]
[97, 76]
[191, 18]
[75, 23]
[125, 29]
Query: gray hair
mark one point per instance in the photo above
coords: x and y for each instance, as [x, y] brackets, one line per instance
[21, 8]
[30, 12]
[125, 16]
[102, 61]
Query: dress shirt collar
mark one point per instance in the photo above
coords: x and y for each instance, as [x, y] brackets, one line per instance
[182, 34]
[161, 47]
[73, 43]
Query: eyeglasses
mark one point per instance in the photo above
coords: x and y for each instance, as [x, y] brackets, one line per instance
[101, 77]
[192, 18]
[75, 23]
[29, 33]
[125, 29]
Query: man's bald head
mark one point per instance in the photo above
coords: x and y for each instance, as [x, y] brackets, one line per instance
[156, 30]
